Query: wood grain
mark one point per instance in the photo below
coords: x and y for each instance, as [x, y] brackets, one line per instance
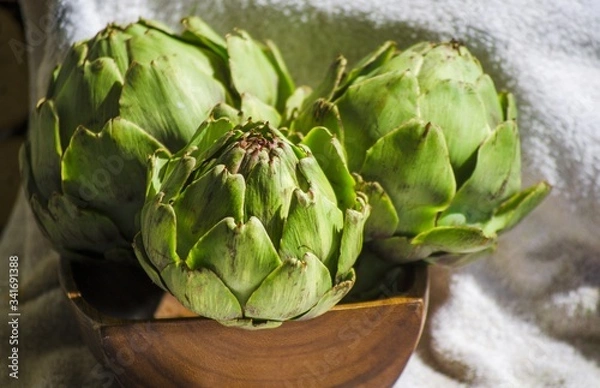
[359, 344]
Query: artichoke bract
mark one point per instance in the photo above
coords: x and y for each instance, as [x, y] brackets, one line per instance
[252, 231]
[436, 146]
[116, 99]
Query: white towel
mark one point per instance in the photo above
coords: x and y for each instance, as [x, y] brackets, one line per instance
[529, 315]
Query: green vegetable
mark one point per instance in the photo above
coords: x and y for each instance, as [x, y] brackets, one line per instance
[436, 146]
[252, 231]
[116, 99]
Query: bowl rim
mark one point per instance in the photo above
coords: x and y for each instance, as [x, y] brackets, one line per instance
[418, 292]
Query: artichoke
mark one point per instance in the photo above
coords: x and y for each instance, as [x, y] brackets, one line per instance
[116, 99]
[436, 146]
[252, 231]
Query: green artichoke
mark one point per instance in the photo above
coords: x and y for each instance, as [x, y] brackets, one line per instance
[252, 231]
[116, 99]
[436, 146]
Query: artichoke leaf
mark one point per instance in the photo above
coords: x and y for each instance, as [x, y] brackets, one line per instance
[169, 108]
[89, 98]
[45, 149]
[290, 290]
[456, 260]
[367, 65]
[202, 291]
[241, 255]
[517, 207]
[251, 70]
[209, 131]
[179, 171]
[254, 109]
[62, 220]
[135, 29]
[448, 61]
[151, 24]
[411, 164]
[444, 105]
[329, 153]
[286, 85]
[331, 82]
[146, 263]
[352, 235]
[111, 44]
[454, 239]
[197, 30]
[69, 69]
[321, 113]
[225, 111]
[398, 249]
[294, 103]
[232, 159]
[509, 105]
[269, 189]
[373, 108]
[332, 297]
[53, 77]
[205, 57]
[314, 224]
[497, 176]
[106, 171]
[384, 219]
[29, 185]
[410, 59]
[205, 202]
[487, 92]
[154, 44]
[160, 239]
[157, 164]
[447, 239]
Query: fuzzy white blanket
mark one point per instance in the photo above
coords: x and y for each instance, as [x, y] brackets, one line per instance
[529, 315]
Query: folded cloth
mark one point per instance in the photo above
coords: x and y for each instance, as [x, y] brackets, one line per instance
[528, 315]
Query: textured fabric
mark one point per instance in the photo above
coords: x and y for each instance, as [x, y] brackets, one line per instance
[529, 315]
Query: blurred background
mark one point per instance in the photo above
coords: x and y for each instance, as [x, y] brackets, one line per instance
[13, 102]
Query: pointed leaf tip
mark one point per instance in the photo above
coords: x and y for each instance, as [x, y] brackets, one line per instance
[517, 207]
[290, 290]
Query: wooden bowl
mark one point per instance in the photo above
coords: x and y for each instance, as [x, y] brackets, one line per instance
[357, 344]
